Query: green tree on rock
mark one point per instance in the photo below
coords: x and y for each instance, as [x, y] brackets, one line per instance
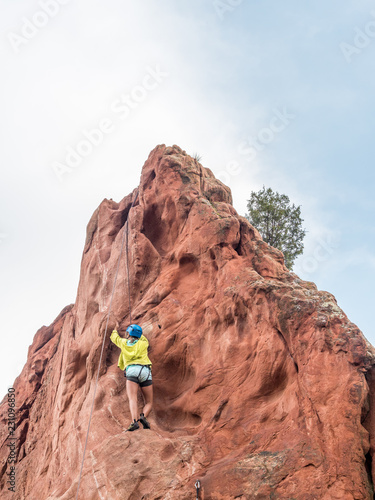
[278, 222]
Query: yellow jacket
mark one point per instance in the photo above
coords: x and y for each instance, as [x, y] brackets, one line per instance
[131, 354]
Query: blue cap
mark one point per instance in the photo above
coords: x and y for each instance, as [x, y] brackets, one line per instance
[134, 331]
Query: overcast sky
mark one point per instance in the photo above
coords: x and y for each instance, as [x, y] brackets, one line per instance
[268, 93]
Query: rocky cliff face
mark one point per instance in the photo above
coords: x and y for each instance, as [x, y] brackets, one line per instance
[263, 387]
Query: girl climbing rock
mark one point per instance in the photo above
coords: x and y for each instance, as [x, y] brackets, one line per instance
[136, 364]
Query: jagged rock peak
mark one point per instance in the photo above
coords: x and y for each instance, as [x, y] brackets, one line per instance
[263, 387]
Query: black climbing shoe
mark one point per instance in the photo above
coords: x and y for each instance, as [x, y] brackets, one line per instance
[144, 422]
[133, 426]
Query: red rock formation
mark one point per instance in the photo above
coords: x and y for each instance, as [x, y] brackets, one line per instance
[263, 387]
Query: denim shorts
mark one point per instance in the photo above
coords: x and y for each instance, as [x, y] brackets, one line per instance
[140, 374]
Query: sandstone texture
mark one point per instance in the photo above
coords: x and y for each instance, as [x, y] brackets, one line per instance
[263, 387]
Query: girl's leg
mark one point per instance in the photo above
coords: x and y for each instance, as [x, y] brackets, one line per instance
[132, 392]
[148, 397]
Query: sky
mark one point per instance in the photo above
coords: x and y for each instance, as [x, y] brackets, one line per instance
[270, 93]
